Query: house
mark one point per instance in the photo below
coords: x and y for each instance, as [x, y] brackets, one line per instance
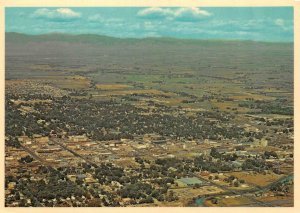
[125, 201]
[24, 139]
[237, 165]
[207, 141]
[172, 169]
[89, 180]
[260, 143]
[11, 185]
[144, 146]
[10, 158]
[204, 173]
[241, 153]
[36, 136]
[51, 143]
[113, 157]
[154, 138]
[89, 144]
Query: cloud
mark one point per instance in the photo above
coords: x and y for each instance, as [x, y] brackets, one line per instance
[190, 14]
[279, 22]
[155, 13]
[152, 35]
[179, 14]
[247, 25]
[285, 25]
[97, 18]
[60, 14]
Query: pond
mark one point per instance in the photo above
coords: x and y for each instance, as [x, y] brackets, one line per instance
[200, 201]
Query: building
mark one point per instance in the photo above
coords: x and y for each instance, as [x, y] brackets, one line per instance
[24, 139]
[90, 180]
[42, 139]
[162, 141]
[154, 138]
[204, 173]
[237, 165]
[184, 182]
[71, 177]
[11, 185]
[49, 150]
[260, 143]
[51, 143]
[144, 146]
[78, 138]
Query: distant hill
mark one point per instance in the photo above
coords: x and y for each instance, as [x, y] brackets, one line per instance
[28, 55]
[86, 38]
[100, 39]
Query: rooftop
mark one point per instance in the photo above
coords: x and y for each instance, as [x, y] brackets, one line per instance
[190, 181]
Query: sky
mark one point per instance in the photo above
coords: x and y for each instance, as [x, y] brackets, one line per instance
[234, 23]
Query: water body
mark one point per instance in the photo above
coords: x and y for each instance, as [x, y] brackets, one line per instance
[200, 201]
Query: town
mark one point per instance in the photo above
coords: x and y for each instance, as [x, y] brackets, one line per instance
[190, 139]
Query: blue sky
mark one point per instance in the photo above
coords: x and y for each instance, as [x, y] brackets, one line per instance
[245, 23]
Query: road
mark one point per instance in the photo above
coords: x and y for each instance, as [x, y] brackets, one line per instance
[48, 166]
[74, 153]
[252, 191]
[235, 192]
[38, 158]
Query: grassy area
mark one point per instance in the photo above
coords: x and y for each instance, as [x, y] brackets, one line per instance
[237, 201]
[189, 192]
[256, 179]
[112, 86]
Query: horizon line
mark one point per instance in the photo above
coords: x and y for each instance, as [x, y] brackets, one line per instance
[154, 37]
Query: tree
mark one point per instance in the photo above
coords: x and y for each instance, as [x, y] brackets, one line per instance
[27, 159]
[148, 199]
[236, 184]
[197, 185]
[214, 153]
[214, 201]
